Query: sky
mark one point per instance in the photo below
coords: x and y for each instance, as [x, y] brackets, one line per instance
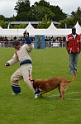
[67, 6]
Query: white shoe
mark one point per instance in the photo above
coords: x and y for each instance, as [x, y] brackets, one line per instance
[37, 95]
[16, 93]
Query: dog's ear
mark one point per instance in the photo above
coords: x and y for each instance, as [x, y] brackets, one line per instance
[33, 84]
[32, 80]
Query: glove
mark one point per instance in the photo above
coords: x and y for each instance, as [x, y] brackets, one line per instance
[7, 64]
[28, 40]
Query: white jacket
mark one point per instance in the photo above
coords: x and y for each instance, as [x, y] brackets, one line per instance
[21, 54]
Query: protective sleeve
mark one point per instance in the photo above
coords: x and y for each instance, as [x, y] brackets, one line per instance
[29, 47]
[13, 60]
[28, 40]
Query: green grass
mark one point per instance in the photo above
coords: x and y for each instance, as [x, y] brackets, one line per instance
[24, 109]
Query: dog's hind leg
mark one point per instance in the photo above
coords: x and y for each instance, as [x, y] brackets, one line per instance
[59, 90]
[62, 94]
[63, 87]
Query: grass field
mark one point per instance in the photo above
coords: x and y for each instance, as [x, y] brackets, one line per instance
[24, 109]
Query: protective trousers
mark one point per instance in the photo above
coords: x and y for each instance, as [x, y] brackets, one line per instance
[24, 72]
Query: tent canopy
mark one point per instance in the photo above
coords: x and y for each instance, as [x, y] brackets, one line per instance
[50, 31]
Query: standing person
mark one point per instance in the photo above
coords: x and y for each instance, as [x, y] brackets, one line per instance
[73, 46]
[22, 54]
[26, 36]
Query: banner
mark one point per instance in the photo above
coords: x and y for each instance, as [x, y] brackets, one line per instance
[39, 42]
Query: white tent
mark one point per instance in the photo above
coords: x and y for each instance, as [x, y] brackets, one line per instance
[52, 27]
[1, 28]
[29, 27]
[50, 31]
[11, 32]
[78, 28]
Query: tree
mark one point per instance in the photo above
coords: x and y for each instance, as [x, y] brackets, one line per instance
[22, 7]
[18, 26]
[77, 15]
[2, 17]
[43, 11]
[22, 17]
[59, 15]
[66, 23]
[45, 23]
[72, 20]
[42, 3]
[38, 12]
[3, 24]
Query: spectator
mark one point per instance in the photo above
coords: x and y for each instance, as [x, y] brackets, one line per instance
[73, 46]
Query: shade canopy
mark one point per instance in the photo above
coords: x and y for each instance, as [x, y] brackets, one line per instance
[50, 31]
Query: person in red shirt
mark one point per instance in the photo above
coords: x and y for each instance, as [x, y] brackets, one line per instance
[73, 46]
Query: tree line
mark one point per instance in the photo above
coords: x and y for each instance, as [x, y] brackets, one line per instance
[44, 12]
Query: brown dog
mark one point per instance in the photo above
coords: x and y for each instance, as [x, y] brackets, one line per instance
[50, 84]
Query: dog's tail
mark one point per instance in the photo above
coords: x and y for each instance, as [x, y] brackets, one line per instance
[69, 81]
